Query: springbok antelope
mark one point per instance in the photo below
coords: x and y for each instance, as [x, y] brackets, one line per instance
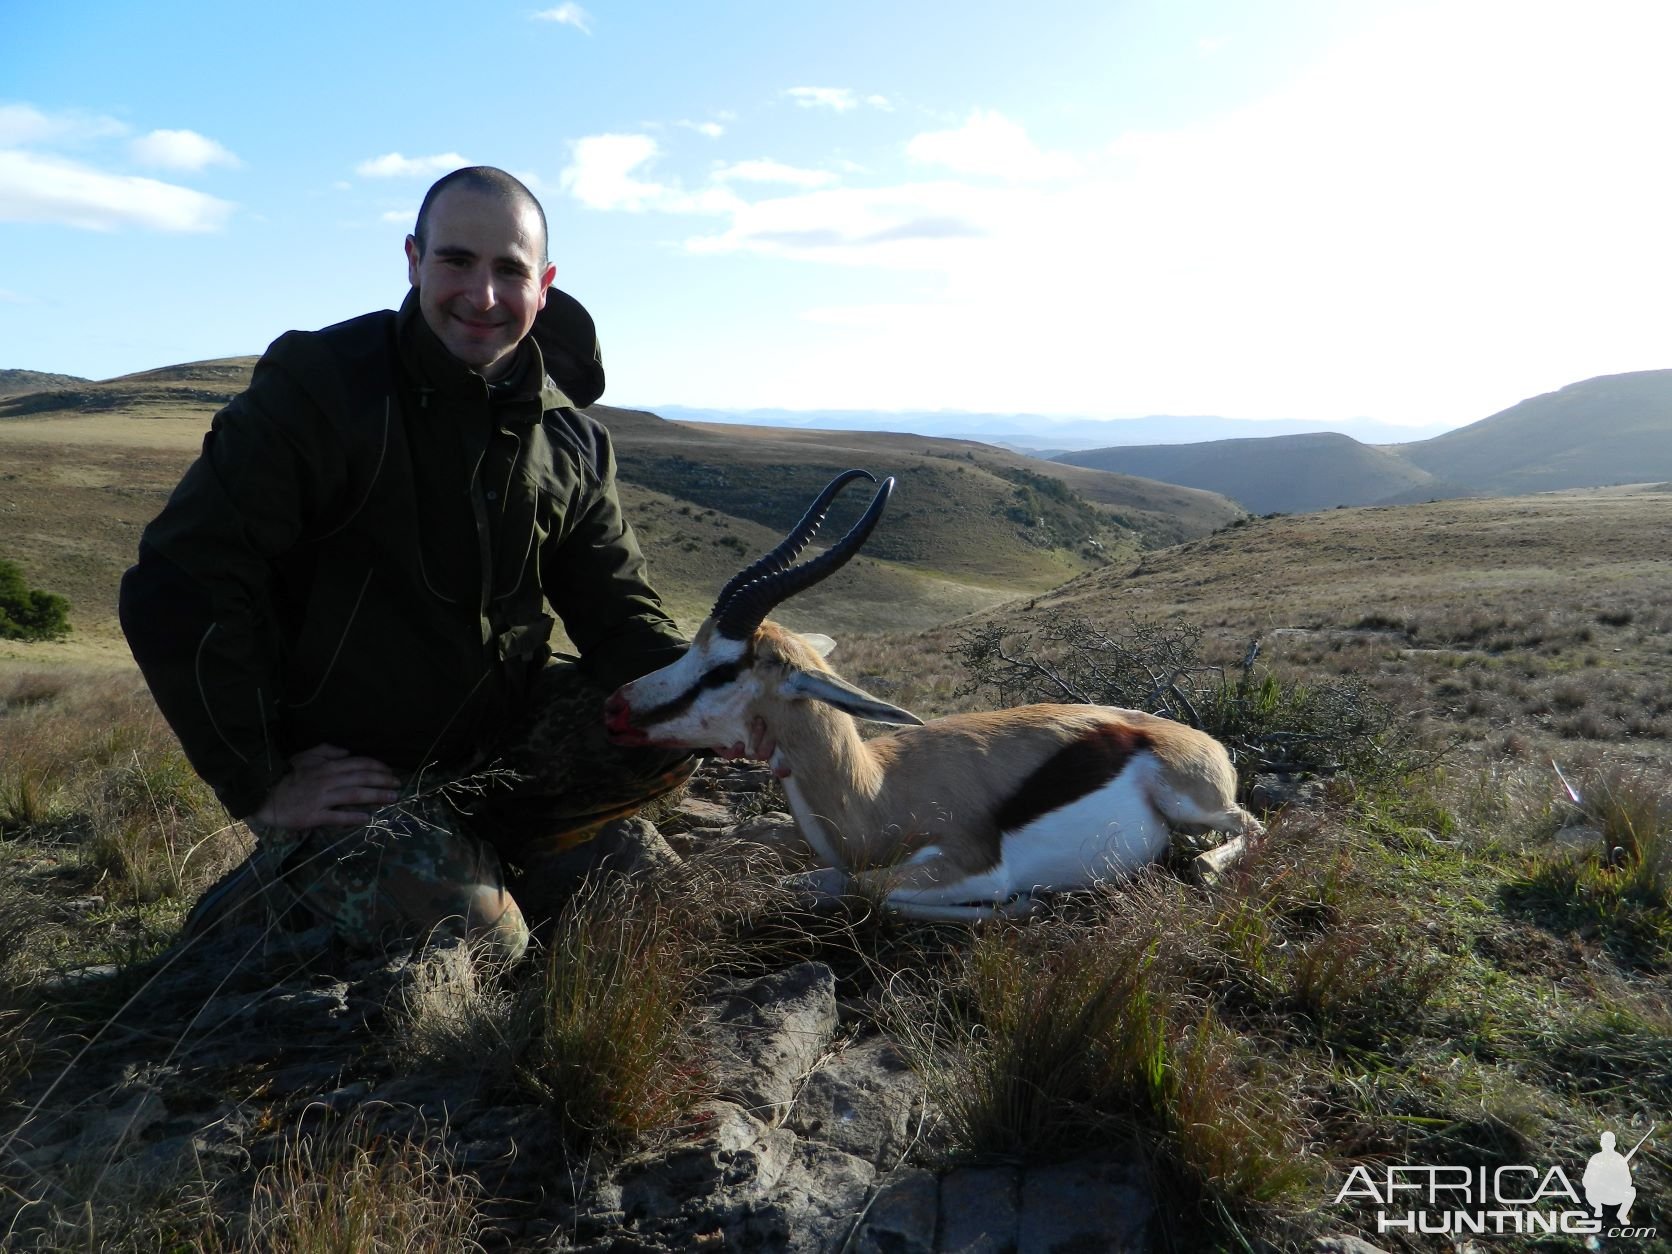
[964, 817]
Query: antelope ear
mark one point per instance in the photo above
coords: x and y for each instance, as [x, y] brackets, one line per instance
[823, 645]
[836, 691]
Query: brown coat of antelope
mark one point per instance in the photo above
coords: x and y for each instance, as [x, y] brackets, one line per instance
[964, 817]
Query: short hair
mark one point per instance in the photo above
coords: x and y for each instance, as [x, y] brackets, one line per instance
[490, 181]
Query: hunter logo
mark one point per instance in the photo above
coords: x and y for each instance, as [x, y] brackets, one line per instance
[1498, 1201]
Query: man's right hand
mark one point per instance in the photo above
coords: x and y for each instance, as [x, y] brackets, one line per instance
[323, 789]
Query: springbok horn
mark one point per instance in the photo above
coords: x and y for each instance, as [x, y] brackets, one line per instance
[754, 601]
[790, 547]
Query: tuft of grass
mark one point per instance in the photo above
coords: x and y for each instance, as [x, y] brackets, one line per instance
[1231, 1125]
[345, 1190]
[1057, 1042]
[456, 1014]
[1620, 884]
[151, 814]
[613, 1050]
[1367, 980]
[26, 804]
[355, 1190]
[1060, 1036]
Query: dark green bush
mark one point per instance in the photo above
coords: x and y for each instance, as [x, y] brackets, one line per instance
[27, 613]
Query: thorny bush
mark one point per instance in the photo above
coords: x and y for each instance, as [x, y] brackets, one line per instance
[1319, 728]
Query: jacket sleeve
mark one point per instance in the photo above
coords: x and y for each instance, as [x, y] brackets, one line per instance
[200, 607]
[593, 574]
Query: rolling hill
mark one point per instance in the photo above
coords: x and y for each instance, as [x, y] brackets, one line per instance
[1283, 473]
[17, 382]
[970, 525]
[1614, 429]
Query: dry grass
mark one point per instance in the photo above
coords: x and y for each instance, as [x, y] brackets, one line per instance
[1463, 968]
[612, 1049]
[349, 1190]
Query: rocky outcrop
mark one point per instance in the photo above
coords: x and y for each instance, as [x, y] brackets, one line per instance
[815, 1133]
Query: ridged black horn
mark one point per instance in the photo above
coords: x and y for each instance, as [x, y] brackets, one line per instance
[790, 547]
[748, 604]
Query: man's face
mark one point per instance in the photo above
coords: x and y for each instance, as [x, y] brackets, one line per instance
[479, 280]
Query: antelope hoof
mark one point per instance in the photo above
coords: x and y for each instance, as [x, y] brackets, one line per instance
[1212, 867]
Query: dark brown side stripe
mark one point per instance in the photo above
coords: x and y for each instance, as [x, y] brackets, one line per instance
[1080, 767]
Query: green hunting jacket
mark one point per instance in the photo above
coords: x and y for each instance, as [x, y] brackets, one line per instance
[365, 553]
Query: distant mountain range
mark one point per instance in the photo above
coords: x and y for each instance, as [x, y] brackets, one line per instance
[1609, 430]
[1037, 433]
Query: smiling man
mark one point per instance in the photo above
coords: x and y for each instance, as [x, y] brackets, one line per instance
[343, 610]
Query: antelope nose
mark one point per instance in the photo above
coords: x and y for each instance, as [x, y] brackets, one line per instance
[617, 716]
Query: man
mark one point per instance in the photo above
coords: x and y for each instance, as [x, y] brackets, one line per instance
[342, 608]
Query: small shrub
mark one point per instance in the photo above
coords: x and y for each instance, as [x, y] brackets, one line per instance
[1268, 724]
[27, 613]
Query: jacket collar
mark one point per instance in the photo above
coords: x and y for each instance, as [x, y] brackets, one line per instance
[435, 370]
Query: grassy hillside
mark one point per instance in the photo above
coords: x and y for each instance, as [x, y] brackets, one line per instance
[1287, 473]
[1527, 629]
[85, 467]
[1613, 429]
[966, 510]
[16, 382]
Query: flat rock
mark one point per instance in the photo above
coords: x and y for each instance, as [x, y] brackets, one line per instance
[1083, 1208]
[903, 1215]
[980, 1210]
[767, 1035]
[861, 1102]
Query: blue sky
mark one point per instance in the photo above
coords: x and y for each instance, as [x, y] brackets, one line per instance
[1280, 209]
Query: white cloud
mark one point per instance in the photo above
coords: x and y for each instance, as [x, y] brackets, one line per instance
[567, 15]
[713, 130]
[39, 188]
[22, 125]
[923, 226]
[767, 171]
[8, 297]
[880, 102]
[602, 172]
[180, 150]
[394, 165]
[991, 144]
[1349, 244]
[841, 99]
[399, 217]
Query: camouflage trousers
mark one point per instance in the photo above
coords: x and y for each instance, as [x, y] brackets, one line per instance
[527, 819]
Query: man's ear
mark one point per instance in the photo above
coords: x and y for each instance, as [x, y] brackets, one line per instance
[546, 281]
[412, 261]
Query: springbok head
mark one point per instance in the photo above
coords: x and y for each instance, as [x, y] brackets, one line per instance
[740, 665]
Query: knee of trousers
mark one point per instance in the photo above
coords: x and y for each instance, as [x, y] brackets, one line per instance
[391, 880]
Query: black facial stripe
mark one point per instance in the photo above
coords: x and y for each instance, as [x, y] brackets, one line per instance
[714, 677]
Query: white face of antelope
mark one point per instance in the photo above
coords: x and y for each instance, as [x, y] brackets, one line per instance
[700, 701]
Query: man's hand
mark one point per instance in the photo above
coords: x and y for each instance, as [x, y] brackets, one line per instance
[322, 781]
[762, 747]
